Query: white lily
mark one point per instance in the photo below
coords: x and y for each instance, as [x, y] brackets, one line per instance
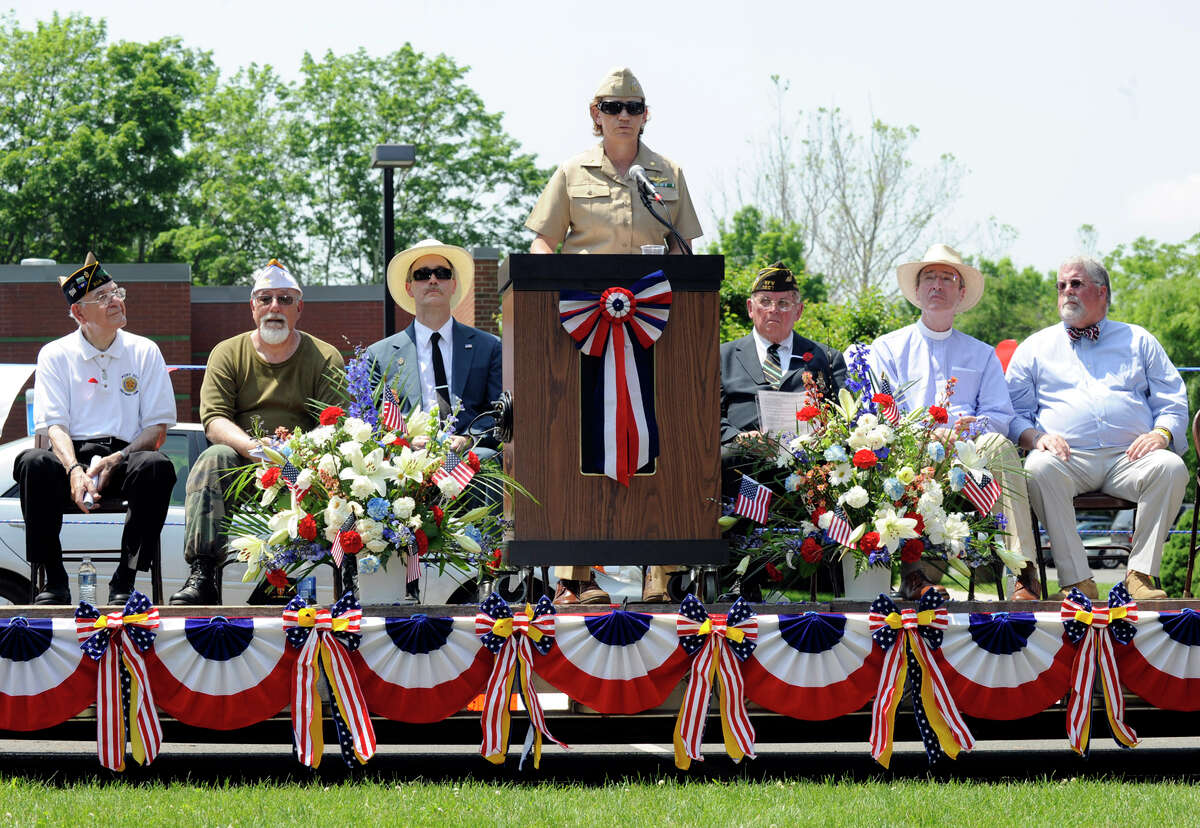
[411, 465]
[956, 530]
[847, 405]
[968, 455]
[1013, 560]
[284, 525]
[894, 528]
[369, 473]
[466, 542]
[253, 551]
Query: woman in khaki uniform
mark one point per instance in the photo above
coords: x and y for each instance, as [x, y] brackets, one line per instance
[591, 205]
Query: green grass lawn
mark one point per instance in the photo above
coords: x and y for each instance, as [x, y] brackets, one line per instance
[665, 802]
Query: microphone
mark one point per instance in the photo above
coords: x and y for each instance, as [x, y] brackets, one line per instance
[639, 175]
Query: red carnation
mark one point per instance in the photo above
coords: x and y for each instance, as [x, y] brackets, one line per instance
[438, 514]
[912, 550]
[330, 415]
[400, 441]
[816, 515]
[495, 560]
[883, 399]
[270, 477]
[307, 528]
[422, 541]
[869, 542]
[806, 356]
[773, 573]
[277, 578]
[351, 542]
[807, 413]
[473, 460]
[865, 458]
[920, 527]
[938, 414]
[811, 551]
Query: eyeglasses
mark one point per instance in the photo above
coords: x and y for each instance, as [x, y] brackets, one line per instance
[781, 305]
[1074, 284]
[615, 107]
[106, 299]
[424, 274]
[265, 299]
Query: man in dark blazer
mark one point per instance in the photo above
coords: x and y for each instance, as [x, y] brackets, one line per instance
[437, 360]
[772, 357]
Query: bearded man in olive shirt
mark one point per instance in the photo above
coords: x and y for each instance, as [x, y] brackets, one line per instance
[262, 378]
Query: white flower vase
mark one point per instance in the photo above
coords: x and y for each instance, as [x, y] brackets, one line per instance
[384, 586]
[868, 585]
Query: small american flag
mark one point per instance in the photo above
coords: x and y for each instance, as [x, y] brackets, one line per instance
[393, 420]
[984, 493]
[888, 410]
[290, 475]
[839, 530]
[337, 553]
[454, 466]
[752, 500]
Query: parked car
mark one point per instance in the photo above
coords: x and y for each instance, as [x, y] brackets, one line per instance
[83, 532]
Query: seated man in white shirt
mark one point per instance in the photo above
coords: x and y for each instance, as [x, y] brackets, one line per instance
[920, 358]
[103, 399]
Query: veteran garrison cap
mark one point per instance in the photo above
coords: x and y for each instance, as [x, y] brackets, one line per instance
[620, 83]
[82, 281]
[774, 278]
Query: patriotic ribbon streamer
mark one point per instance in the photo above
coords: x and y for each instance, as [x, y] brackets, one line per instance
[720, 644]
[611, 325]
[116, 642]
[325, 638]
[917, 632]
[1093, 630]
[513, 638]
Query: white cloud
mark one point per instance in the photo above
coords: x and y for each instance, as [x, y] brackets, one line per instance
[1168, 204]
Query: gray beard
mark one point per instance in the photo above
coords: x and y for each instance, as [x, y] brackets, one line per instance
[274, 335]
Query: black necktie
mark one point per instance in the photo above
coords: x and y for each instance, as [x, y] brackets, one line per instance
[440, 386]
[772, 369]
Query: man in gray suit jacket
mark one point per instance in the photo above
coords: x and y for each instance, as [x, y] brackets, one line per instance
[437, 359]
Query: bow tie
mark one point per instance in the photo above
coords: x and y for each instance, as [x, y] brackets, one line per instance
[1091, 332]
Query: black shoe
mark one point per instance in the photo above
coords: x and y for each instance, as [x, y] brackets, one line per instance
[54, 595]
[121, 585]
[200, 587]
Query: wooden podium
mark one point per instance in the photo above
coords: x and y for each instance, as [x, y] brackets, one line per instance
[667, 516]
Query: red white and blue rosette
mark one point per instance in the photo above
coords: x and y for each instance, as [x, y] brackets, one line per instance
[45, 678]
[221, 673]
[1162, 663]
[618, 662]
[420, 669]
[620, 325]
[1005, 665]
[813, 666]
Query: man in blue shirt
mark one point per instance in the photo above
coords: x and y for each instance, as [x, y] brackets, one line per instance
[920, 358]
[1099, 406]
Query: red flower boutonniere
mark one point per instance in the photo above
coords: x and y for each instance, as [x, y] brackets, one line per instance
[807, 356]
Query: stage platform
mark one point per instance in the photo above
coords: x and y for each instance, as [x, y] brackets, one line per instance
[777, 673]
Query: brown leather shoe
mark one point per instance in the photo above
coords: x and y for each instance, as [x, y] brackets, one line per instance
[591, 593]
[1087, 587]
[1028, 587]
[914, 584]
[1141, 587]
[564, 594]
[654, 586]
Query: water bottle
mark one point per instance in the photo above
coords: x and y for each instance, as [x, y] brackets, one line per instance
[306, 588]
[87, 581]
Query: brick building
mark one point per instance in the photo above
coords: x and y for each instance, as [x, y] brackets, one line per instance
[188, 321]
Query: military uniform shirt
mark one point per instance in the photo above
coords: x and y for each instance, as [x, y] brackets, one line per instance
[591, 209]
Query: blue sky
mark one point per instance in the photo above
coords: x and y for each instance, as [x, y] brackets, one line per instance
[1063, 113]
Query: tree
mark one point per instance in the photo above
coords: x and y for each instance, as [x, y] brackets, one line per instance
[865, 204]
[1015, 303]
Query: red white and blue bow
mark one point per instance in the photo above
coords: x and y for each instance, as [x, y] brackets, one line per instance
[325, 639]
[720, 643]
[620, 325]
[117, 641]
[513, 638]
[1093, 629]
[942, 728]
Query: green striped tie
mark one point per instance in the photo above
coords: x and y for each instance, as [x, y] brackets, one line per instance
[772, 370]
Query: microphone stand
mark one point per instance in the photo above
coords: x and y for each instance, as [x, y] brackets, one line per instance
[683, 245]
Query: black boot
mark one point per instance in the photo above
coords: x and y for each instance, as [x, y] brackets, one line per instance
[200, 587]
[121, 585]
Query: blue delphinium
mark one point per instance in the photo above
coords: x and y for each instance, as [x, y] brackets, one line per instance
[360, 388]
[1000, 520]
[858, 374]
[879, 557]
[378, 508]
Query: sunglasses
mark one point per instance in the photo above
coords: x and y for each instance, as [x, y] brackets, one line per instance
[1074, 284]
[615, 107]
[265, 299]
[425, 273]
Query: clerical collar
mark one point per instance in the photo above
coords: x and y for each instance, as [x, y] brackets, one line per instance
[929, 333]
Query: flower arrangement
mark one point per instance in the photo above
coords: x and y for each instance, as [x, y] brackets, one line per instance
[858, 477]
[356, 486]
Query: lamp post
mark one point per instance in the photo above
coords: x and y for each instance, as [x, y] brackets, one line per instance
[388, 157]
